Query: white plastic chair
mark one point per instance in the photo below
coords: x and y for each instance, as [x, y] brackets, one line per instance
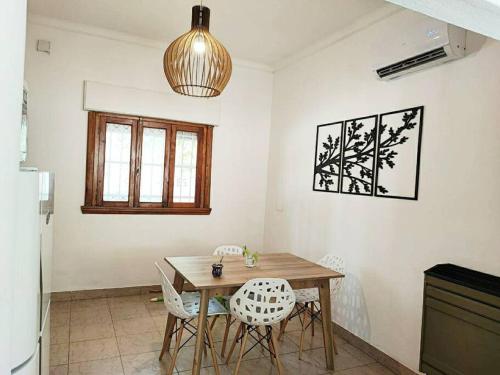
[228, 250]
[260, 302]
[185, 307]
[306, 299]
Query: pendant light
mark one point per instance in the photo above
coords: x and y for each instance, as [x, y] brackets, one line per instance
[196, 64]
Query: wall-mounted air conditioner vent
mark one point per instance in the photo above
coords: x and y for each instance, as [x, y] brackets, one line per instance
[412, 62]
[416, 42]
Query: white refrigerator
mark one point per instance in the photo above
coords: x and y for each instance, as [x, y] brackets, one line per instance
[30, 339]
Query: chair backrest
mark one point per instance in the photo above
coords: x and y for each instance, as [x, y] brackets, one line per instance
[336, 264]
[263, 301]
[228, 250]
[171, 298]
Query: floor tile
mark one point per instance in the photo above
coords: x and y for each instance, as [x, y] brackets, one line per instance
[156, 308]
[110, 366]
[134, 326]
[91, 332]
[59, 354]
[254, 353]
[293, 325]
[59, 306]
[59, 318]
[160, 323]
[145, 364]
[89, 294]
[129, 311]
[363, 358]
[310, 342]
[185, 357]
[98, 315]
[287, 346]
[88, 303]
[59, 334]
[123, 335]
[140, 343]
[115, 301]
[92, 350]
[58, 370]
[61, 296]
[220, 326]
[260, 366]
[223, 370]
[344, 360]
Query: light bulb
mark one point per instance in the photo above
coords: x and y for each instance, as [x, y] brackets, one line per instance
[199, 45]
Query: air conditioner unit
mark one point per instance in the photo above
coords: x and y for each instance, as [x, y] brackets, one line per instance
[416, 42]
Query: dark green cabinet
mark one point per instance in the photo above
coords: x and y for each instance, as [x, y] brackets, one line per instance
[460, 323]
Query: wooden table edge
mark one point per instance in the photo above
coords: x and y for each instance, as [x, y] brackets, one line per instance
[192, 287]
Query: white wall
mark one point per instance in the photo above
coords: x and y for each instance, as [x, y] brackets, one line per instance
[12, 36]
[101, 251]
[387, 244]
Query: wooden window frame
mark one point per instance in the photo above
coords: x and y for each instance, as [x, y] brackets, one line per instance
[94, 181]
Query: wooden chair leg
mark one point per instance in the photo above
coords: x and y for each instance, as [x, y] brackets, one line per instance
[284, 323]
[205, 353]
[270, 344]
[302, 333]
[226, 333]
[212, 350]
[231, 350]
[169, 328]
[242, 350]
[276, 354]
[213, 321]
[176, 349]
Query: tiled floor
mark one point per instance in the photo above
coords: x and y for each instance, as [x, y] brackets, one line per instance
[123, 336]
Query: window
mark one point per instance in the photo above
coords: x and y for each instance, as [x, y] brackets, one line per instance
[139, 165]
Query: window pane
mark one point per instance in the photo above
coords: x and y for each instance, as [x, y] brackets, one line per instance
[186, 146]
[152, 164]
[117, 162]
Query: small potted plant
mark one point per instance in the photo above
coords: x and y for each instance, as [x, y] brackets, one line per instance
[251, 258]
[217, 268]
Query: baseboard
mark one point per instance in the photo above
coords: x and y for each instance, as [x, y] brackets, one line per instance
[378, 355]
[102, 293]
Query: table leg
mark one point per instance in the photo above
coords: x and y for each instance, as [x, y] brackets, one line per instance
[178, 285]
[326, 312]
[202, 322]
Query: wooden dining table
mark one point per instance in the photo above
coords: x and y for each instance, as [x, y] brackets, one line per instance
[194, 273]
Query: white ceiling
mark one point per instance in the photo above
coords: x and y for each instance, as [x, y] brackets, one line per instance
[481, 16]
[262, 31]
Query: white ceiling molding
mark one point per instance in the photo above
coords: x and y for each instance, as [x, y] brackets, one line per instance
[98, 32]
[105, 97]
[360, 24]
[481, 16]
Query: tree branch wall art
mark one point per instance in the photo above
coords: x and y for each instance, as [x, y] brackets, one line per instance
[373, 155]
[398, 162]
[327, 158]
[358, 156]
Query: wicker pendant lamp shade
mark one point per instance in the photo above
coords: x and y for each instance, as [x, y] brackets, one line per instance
[196, 64]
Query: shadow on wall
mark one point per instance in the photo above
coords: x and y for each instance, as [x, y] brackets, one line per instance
[349, 308]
